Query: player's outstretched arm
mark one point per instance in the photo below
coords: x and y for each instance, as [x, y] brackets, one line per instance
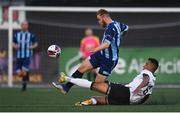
[124, 33]
[143, 83]
[100, 47]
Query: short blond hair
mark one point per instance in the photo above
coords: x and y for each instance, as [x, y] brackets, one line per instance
[102, 12]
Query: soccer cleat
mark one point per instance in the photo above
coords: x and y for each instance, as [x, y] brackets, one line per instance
[62, 78]
[62, 88]
[84, 103]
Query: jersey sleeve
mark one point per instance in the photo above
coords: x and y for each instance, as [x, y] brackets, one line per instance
[109, 33]
[124, 27]
[146, 72]
[34, 39]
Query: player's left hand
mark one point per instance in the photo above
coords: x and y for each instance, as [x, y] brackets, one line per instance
[136, 91]
[31, 47]
[91, 50]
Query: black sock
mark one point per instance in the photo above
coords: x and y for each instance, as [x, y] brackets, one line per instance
[24, 81]
[24, 85]
[76, 74]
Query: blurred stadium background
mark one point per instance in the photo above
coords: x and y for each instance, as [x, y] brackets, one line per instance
[150, 35]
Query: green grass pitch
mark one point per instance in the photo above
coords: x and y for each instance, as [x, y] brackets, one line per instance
[50, 100]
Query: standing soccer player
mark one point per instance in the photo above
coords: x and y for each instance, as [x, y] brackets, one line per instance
[24, 42]
[89, 42]
[105, 56]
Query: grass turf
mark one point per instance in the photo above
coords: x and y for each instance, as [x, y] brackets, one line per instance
[50, 100]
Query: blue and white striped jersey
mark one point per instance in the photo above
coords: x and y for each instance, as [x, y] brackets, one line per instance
[24, 40]
[112, 35]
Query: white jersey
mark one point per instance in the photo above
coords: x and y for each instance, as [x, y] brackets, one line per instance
[136, 98]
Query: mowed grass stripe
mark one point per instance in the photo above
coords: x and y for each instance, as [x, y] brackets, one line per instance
[49, 99]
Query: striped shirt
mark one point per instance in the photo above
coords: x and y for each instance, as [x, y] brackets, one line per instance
[112, 35]
[24, 41]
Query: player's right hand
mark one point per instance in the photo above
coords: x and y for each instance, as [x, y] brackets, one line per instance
[16, 46]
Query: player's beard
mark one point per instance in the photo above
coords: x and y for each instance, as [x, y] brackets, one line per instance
[103, 24]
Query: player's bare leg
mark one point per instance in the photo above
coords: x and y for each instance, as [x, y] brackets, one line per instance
[21, 73]
[101, 87]
[84, 67]
[96, 86]
[92, 75]
[25, 79]
[100, 100]
[100, 78]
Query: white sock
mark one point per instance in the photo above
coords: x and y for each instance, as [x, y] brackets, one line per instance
[94, 101]
[68, 78]
[80, 82]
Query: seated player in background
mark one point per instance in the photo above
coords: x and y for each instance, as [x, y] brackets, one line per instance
[89, 42]
[136, 92]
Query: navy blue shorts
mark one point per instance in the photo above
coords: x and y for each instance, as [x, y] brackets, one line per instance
[106, 66]
[22, 63]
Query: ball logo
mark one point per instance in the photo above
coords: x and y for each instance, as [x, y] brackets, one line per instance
[54, 51]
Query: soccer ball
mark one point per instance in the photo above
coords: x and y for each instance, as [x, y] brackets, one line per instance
[54, 51]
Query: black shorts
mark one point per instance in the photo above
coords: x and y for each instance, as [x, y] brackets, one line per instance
[118, 94]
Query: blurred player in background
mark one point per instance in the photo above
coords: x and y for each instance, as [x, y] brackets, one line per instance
[106, 55]
[24, 42]
[3, 64]
[88, 43]
[136, 92]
